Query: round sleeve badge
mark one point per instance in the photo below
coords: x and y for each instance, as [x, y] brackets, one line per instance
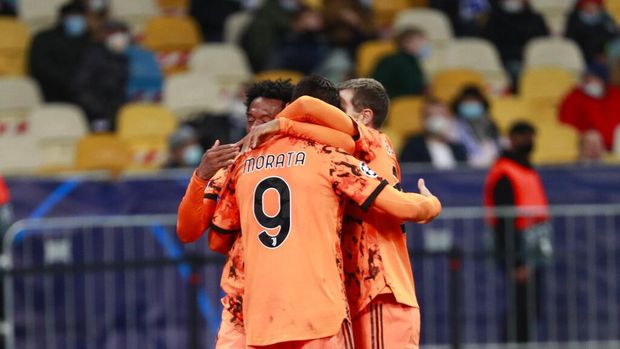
[367, 171]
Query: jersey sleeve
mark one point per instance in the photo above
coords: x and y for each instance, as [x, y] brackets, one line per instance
[226, 222]
[197, 206]
[319, 134]
[314, 111]
[361, 184]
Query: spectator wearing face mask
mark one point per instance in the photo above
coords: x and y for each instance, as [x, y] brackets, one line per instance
[436, 145]
[101, 79]
[401, 73]
[510, 26]
[592, 28]
[185, 151]
[56, 52]
[475, 127]
[468, 17]
[593, 105]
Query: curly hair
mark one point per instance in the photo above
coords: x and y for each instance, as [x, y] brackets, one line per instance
[273, 89]
[318, 87]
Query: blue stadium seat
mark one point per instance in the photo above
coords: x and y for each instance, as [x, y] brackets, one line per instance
[145, 76]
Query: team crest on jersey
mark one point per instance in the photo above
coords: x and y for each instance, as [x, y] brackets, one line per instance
[367, 171]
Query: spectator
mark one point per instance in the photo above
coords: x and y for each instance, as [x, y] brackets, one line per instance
[211, 16]
[591, 148]
[475, 127]
[306, 47]
[7, 8]
[56, 52]
[6, 214]
[510, 26]
[100, 82]
[436, 145]
[348, 24]
[522, 243]
[593, 105]
[97, 13]
[184, 148]
[401, 72]
[270, 25]
[592, 28]
[468, 17]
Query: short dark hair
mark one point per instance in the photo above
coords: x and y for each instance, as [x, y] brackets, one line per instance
[521, 128]
[317, 87]
[369, 93]
[72, 7]
[273, 89]
[467, 92]
[405, 33]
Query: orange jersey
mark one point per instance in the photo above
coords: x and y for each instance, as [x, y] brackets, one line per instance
[375, 248]
[286, 198]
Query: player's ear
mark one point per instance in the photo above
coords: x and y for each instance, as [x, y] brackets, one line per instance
[367, 116]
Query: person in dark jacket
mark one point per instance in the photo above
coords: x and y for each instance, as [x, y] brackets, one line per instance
[401, 73]
[511, 25]
[436, 146]
[591, 26]
[56, 52]
[101, 79]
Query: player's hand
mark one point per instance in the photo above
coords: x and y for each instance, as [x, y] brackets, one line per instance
[423, 189]
[258, 134]
[216, 158]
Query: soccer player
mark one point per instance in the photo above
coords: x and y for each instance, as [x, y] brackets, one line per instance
[264, 100]
[286, 198]
[379, 280]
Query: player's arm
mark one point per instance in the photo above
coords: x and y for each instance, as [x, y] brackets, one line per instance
[355, 180]
[225, 222]
[314, 111]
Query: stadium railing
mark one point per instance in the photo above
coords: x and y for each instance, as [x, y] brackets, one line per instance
[126, 281]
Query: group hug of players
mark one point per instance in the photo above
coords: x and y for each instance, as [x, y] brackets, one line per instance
[309, 211]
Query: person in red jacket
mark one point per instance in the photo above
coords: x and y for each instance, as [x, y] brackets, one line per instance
[593, 105]
[522, 240]
[6, 215]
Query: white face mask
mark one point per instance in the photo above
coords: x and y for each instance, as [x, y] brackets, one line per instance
[513, 6]
[118, 42]
[438, 125]
[192, 155]
[594, 89]
[97, 5]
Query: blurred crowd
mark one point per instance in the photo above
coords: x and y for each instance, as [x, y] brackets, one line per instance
[88, 58]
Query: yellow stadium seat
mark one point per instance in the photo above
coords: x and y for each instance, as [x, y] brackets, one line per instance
[405, 116]
[13, 46]
[613, 7]
[173, 4]
[293, 75]
[169, 34]
[385, 11]
[555, 143]
[447, 84]
[102, 152]
[143, 119]
[507, 110]
[370, 53]
[546, 84]
[145, 129]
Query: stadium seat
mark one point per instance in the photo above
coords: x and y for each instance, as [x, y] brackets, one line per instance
[405, 116]
[370, 53]
[545, 84]
[479, 55]
[555, 143]
[434, 23]
[57, 127]
[18, 95]
[293, 75]
[507, 110]
[554, 12]
[447, 84]
[13, 46]
[385, 11]
[102, 152]
[174, 5]
[189, 94]
[135, 12]
[235, 25]
[226, 63]
[145, 77]
[613, 7]
[554, 52]
[19, 154]
[145, 120]
[172, 38]
[37, 14]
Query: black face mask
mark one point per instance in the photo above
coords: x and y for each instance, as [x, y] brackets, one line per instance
[524, 149]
